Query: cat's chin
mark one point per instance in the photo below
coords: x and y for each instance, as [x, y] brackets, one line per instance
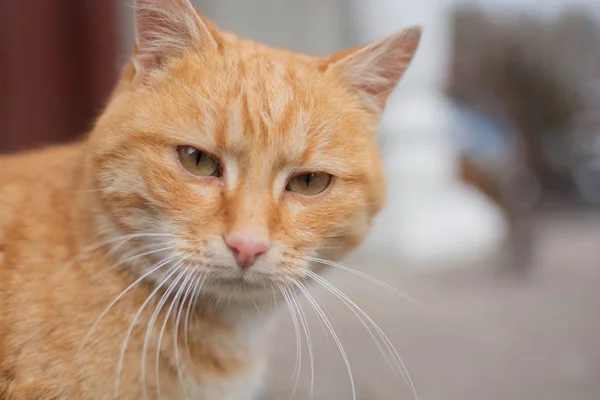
[241, 287]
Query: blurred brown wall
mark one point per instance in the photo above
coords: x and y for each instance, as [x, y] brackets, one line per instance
[58, 61]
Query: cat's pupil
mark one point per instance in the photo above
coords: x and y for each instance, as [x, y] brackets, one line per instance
[198, 157]
[309, 178]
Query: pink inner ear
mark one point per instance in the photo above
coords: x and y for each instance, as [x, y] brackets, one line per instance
[375, 70]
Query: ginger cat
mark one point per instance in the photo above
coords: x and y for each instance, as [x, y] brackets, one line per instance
[137, 263]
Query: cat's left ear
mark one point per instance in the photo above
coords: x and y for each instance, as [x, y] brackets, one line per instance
[165, 28]
[375, 70]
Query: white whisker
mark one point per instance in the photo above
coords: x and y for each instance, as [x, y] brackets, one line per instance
[153, 269]
[125, 238]
[401, 367]
[331, 320]
[336, 338]
[170, 273]
[362, 321]
[306, 329]
[192, 304]
[186, 297]
[188, 273]
[150, 327]
[96, 246]
[138, 249]
[366, 276]
[146, 253]
[298, 364]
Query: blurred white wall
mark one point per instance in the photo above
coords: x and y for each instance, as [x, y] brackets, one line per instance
[431, 218]
[309, 26]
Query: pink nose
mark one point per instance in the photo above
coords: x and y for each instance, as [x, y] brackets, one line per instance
[246, 250]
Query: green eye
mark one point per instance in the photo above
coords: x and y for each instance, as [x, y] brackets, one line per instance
[197, 162]
[309, 184]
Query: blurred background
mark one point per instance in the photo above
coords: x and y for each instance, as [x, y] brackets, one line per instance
[492, 148]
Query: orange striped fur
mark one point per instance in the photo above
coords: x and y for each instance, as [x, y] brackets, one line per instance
[87, 225]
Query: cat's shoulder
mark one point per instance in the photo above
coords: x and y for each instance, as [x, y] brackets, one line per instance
[49, 164]
[37, 182]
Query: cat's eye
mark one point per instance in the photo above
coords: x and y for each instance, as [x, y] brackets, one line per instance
[309, 184]
[197, 162]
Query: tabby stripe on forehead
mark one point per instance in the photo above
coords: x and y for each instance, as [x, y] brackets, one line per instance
[235, 127]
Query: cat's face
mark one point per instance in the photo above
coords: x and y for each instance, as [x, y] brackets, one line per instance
[247, 159]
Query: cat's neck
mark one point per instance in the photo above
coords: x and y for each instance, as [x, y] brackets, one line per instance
[251, 318]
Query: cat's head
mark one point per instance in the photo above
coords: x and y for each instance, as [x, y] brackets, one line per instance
[235, 161]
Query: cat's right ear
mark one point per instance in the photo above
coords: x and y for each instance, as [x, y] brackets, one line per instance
[165, 28]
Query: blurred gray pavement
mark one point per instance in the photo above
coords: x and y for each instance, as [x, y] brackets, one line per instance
[485, 332]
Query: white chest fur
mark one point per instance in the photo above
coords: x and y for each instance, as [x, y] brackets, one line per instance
[252, 328]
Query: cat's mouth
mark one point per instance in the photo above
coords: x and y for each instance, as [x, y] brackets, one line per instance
[250, 279]
[247, 282]
[228, 280]
[241, 286]
[241, 281]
